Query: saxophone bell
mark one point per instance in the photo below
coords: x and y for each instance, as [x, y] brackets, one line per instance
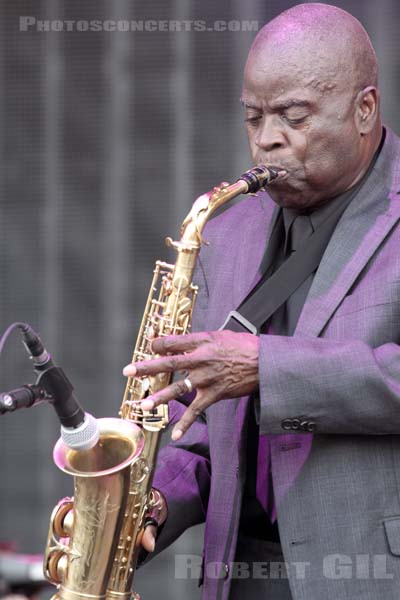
[83, 531]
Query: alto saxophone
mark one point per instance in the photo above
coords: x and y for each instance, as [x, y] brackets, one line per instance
[95, 537]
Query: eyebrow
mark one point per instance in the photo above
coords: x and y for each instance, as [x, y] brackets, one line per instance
[290, 103]
[248, 105]
[278, 105]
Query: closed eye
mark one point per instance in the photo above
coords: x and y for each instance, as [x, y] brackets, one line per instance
[253, 119]
[294, 122]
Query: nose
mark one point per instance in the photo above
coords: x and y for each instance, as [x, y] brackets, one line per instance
[270, 134]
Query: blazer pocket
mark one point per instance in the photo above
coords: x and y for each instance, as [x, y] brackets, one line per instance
[369, 298]
[392, 528]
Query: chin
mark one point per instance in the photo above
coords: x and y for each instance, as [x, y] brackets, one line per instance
[297, 204]
[288, 197]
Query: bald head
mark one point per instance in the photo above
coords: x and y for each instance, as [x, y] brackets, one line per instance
[330, 45]
[312, 103]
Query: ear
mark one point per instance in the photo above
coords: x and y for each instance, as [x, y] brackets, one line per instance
[367, 109]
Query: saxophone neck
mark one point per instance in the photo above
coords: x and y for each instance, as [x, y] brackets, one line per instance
[250, 182]
[203, 208]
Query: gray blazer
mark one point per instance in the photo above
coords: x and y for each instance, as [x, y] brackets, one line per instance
[338, 489]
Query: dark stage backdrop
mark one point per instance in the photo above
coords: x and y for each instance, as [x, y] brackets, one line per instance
[106, 139]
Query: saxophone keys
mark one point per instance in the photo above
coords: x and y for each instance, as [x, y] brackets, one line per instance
[62, 517]
[145, 385]
[56, 566]
[150, 332]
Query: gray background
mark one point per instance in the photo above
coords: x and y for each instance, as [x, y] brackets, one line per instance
[106, 139]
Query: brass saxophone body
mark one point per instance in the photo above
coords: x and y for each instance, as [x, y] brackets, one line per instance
[94, 538]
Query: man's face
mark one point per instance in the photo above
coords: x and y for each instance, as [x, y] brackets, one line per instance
[305, 124]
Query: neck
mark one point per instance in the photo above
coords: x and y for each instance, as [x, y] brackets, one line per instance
[372, 149]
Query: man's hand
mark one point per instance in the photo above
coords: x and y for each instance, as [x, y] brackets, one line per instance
[219, 364]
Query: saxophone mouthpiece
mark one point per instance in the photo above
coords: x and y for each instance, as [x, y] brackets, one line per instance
[260, 176]
[276, 173]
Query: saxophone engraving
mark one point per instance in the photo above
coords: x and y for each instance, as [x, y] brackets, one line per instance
[94, 539]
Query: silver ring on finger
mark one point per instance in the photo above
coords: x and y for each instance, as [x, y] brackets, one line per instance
[188, 384]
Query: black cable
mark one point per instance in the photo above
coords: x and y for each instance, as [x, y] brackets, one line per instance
[18, 324]
[79, 430]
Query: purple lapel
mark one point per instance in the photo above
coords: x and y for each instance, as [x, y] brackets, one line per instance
[227, 419]
[253, 241]
[357, 237]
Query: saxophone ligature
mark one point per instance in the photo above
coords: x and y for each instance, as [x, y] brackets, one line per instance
[94, 538]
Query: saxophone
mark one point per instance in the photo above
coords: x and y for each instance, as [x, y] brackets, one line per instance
[94, 538]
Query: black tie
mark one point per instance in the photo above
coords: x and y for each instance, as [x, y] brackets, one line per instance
[300, 229]
[283, 321]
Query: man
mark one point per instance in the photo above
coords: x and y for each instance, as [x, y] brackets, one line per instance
[321, 384]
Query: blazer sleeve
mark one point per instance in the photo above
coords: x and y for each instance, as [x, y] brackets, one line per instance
[337, 387]
[183, 477]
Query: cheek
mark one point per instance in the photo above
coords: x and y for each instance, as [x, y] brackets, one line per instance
[328, 156]
[251, 141]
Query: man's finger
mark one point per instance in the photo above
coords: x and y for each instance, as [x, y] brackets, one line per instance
[149, 538]
[175, 390]
[168, 364]
[178, 344]
[195, 409]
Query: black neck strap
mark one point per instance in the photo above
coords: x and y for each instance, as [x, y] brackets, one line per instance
[268, 296]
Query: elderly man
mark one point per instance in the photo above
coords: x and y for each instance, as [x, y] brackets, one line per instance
[298, 458]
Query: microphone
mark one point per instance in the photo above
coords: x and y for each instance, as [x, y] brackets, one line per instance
[79, 430]
[22, 397]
